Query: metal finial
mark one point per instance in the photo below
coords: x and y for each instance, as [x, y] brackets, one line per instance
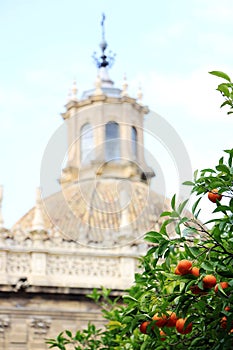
[104, 60]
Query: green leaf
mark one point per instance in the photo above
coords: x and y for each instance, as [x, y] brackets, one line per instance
[223, 168]
[225, 273]
[208, 170]
[225, 103]
[129, 298]
[195, 175]
[222, 208]
[184, 219]
[173, 202]
[182, 206]
[154, 237]
[68, 333]
[207, 266]
[165, 213]
[191, 251]
[224, 89]
[220, 75]
[174, 214]
[188, 183]
[197, 213]
[189, 231]
[195, 205]
[221, 160]
[177, 229]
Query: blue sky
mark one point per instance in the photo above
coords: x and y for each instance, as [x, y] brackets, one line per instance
[167, 46]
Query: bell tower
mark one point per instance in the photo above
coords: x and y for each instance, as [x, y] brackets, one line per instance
[105, 129]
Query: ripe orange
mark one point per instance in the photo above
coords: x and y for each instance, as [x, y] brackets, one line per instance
[184, 266]
[172, 318]
[223, 322]
[195, 271]
[209, 281]
[143, 327]
[163, 335]
[180, 326]
[177, 272]
[160, 320]
[222, 284]
[213, 195]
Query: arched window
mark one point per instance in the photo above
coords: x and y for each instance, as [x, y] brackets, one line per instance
[86, 143]
[134, 141]
[112, 144]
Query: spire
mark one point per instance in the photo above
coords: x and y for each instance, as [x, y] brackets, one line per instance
[1, 197]
[104, 61]
[38, 220]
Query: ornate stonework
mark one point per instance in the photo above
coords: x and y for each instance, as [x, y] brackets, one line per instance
[87, 235]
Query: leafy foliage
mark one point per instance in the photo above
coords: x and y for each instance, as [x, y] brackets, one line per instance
[159, 291]
[226, 89]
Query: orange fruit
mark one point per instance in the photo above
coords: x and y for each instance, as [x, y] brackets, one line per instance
[209, 281]
[223, 322]
[184, 266]
[172, 318]
[224, 285]
[180, 326]
[177, 272]
[195, 271]
[213, 195]
[163, 335]
[160, 320]
[144, 326]
[227, 308]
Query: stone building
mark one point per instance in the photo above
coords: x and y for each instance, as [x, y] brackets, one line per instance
[90, 232]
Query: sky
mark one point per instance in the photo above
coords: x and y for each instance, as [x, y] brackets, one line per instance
[168, 47]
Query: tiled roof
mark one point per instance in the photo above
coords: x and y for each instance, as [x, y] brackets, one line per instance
[107, 213]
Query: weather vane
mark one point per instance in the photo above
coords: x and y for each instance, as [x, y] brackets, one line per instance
[104, 60]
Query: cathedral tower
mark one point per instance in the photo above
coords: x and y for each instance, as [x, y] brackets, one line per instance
[89, 233]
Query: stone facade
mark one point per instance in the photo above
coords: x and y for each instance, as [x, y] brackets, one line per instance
[90, 233]
[44, 282]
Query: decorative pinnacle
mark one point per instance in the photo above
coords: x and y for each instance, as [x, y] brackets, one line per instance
[104, 60]
[140, 94]
[38, 220]
[124, 87]
[74, 91]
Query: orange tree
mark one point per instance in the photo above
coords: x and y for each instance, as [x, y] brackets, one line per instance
[183, 297]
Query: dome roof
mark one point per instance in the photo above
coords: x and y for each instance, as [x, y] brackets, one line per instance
[107, 213]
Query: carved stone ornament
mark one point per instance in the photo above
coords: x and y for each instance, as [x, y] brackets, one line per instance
[4, 323]
[40, 325]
